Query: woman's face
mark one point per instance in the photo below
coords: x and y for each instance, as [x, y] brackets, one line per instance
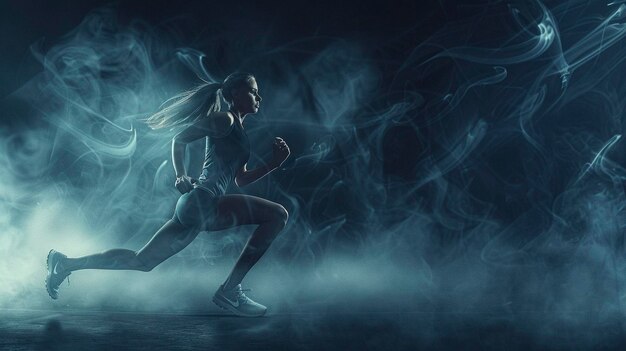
[247, 99]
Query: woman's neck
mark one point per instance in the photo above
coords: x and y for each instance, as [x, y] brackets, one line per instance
[240, 117]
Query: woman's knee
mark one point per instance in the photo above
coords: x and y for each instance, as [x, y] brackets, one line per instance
[280, 214]
[143, 264]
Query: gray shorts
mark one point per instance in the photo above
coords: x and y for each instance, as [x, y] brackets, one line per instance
[197, 208]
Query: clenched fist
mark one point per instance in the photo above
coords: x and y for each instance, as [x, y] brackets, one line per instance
[280, 152]
[184, 184]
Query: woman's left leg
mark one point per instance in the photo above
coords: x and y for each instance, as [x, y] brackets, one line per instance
[234, 210]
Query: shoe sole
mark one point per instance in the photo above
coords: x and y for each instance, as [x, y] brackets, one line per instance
[47, 281]
[228, 307]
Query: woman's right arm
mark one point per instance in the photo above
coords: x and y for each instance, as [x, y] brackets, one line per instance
[216, 125]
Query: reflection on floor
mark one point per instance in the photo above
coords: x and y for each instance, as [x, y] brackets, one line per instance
[100, 330]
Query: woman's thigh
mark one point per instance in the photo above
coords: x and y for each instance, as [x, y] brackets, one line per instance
[166, 242]
[236, 209]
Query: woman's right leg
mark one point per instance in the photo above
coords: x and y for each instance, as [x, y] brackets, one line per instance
[168, 240]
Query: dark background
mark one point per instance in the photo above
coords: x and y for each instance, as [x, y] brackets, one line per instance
[447, 156]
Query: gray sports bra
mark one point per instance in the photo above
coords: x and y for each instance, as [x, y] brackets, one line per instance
[223, 157]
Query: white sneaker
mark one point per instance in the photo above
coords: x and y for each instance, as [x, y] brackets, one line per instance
[237, 302]
[55, 277]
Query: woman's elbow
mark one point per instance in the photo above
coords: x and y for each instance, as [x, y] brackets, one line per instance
[179, 141]
[239, 182]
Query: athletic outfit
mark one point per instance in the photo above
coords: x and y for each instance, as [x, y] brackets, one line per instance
[223, 157]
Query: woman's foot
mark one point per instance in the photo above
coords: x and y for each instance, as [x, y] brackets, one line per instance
[237, 302]
[56, 274]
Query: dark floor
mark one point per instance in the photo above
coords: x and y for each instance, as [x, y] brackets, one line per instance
[98, 330]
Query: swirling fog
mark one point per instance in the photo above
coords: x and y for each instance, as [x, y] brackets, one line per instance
[480, 170]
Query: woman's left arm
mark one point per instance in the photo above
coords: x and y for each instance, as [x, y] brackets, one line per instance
[280, 152]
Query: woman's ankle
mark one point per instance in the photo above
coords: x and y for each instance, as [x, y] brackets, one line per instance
[64, 265]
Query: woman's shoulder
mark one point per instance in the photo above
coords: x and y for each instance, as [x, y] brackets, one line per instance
[222, 117]
[221, 122]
